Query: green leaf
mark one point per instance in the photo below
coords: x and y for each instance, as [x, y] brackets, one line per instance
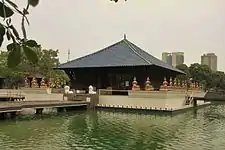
[30, 54]
[31, 43]
[11, 46]
[14, 57]
[33, 2]
[2, 33]
[7, 12]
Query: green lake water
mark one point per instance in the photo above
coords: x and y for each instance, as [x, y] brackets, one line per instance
[103, 130]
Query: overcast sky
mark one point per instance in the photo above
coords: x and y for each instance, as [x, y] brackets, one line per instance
[85, 26]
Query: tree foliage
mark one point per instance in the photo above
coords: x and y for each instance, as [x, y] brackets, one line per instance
[47, 60]
[203, 75]
[19, 44]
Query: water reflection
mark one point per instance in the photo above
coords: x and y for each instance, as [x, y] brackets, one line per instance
[101, 130]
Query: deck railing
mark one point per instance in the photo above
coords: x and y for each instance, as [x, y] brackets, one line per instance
[112, 92]
[11, 93]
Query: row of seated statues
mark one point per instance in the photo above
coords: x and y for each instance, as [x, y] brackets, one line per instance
[43, 84]
[175, 84]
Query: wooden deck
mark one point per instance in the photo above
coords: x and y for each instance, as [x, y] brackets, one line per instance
[18, 106]
[11, 98]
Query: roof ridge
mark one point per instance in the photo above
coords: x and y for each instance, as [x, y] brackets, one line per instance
[135, 51]
[91, 54]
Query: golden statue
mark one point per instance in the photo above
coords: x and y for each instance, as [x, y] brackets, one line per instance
[26, 82]
[34, 82]
[43, 82]
[57, 83]
[165, 84]
[197, 86]
[135, 84]
[171, 82]
[175, 82]
[178, 83]
[148, 85]
[185, 83]
[49, 84]
[182, 83]
[192, 85]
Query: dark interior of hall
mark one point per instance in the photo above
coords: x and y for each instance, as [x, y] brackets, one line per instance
[116, 77]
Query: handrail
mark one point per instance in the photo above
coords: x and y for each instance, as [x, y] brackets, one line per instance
[12, 93]
[109, 90]
[122, 92]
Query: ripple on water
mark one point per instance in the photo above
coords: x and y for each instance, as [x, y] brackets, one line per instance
[113, 131]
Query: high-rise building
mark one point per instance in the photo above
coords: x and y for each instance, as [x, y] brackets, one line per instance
[165, 57]
[174, 58]
[209, 59]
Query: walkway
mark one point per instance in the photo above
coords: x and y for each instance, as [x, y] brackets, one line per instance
[18, 106]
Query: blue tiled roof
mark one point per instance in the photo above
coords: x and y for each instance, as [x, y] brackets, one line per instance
[123, 53]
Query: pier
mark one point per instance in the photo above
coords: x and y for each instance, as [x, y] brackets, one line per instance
[11, 98]
[13, 107]
[205, 99]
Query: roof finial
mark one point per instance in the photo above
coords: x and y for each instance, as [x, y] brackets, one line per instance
[124, 37]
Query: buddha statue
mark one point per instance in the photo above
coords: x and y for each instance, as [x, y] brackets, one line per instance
[49, 84]
[192, 85]
[175, 82]
[34, 82]
[178, 83]
[165, 84]
[171, 82]
[26, 82]
[57, 83]
[148, 85]
[43, 82]
[185, 83]
[182, 83]
[135, 84]
[197, 86]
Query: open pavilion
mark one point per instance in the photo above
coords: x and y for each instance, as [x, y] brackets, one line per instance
[117, 65]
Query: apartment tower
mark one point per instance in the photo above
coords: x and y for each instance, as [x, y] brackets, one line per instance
[209, 59]
[174, 58]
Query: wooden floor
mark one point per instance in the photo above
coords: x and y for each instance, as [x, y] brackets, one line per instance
[18, 106]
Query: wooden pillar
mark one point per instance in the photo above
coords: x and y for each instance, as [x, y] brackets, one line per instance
[195, 103]
[60, 109]
[39, 111]
[2, 116]
[13, 114]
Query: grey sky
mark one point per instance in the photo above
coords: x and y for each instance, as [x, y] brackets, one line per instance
[84, 26]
